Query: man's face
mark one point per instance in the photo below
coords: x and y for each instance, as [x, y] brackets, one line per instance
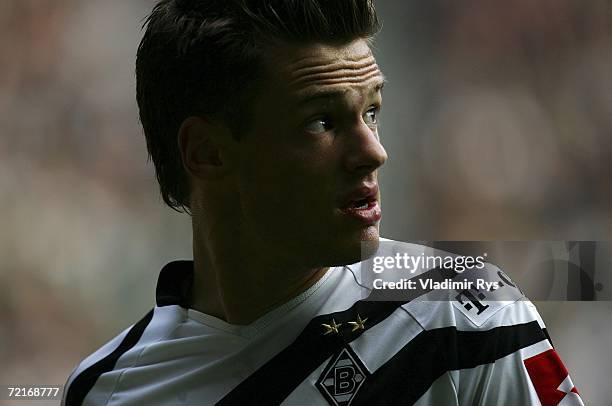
[307, 175]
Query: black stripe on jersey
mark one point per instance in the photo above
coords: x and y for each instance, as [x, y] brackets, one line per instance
[277, 378]
[413, 369]
[82, 384]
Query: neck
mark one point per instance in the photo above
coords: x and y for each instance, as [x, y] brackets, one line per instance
[236, 279]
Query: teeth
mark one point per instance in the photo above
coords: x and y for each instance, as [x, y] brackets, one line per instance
[363, 206]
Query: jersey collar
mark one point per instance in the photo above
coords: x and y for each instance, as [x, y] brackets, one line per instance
[174, 284]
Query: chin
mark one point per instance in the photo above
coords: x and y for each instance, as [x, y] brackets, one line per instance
[350, 248]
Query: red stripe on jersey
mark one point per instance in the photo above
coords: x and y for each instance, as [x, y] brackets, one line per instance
[547, 373]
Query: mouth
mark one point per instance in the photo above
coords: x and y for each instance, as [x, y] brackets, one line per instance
[362, 205]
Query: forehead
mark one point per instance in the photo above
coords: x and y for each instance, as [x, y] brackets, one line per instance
[309, 70]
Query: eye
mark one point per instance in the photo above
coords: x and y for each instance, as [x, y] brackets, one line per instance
[318, 126]
[371, 116]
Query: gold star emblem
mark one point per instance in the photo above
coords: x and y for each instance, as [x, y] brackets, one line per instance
[331, 328]
[359, 324]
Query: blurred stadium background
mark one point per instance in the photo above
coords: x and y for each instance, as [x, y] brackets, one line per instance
[497, 121]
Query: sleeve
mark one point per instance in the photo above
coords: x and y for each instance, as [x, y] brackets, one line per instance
[89, 362]
[526, 370]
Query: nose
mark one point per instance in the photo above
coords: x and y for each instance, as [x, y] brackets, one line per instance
[365, 152]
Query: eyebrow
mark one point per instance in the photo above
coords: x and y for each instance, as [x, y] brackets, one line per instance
[333, 94]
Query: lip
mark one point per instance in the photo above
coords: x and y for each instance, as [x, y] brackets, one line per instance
[365, 193]
[367, 215]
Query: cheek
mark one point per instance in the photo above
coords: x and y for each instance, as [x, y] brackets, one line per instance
[287, 187]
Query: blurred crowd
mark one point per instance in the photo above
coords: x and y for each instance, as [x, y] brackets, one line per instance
[499, 115]
[497, 120]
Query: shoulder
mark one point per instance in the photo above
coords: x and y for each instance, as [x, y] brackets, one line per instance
[482, 299]
[96, 376]
[447, 288]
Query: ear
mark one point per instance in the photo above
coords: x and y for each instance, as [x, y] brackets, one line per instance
[205, 148]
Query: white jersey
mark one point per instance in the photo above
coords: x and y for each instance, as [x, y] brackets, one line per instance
[327, 346]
